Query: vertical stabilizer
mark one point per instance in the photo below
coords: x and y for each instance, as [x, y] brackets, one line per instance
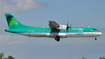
[12, 22]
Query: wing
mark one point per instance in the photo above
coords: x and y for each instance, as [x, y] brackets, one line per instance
[53, 25]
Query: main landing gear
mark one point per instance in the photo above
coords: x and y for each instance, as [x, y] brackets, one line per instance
[95, 38]
[57, 38]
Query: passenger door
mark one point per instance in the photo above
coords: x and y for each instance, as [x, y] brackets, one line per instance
[29, 33]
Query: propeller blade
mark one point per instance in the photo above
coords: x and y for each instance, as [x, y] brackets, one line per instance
[67, 27]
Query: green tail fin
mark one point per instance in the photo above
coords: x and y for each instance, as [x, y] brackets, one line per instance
[13, 23]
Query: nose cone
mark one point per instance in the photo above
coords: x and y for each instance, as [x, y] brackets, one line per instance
[99, 33]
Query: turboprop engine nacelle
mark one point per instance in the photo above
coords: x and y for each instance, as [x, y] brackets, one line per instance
[62, 27]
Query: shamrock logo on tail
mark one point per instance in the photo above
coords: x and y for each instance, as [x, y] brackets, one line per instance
[13, 22]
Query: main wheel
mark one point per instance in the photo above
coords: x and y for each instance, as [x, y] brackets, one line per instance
[57, 38]
[95, 38]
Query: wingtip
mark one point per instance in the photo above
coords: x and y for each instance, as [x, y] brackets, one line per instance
[51, 21]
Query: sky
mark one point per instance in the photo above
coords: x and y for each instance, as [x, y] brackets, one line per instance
[37, 13]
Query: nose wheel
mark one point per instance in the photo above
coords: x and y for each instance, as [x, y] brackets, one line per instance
[95, 38]
[57, 38]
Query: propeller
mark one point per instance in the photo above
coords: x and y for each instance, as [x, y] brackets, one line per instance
[68, 27]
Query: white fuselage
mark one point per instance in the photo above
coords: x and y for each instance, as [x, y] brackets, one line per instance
[63, 35]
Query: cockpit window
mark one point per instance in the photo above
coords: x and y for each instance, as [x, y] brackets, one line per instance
[94, 29]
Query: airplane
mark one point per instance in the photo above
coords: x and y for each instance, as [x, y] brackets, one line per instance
[55, 30]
